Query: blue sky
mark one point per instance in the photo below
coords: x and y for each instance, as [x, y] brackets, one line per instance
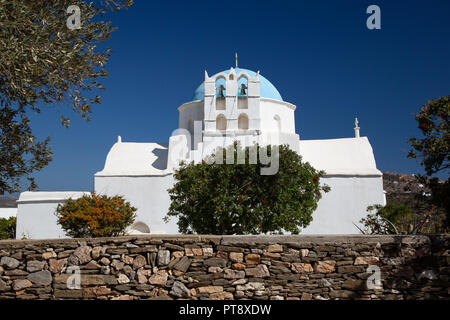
[318, 54]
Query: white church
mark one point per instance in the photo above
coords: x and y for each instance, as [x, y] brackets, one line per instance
[236, 104]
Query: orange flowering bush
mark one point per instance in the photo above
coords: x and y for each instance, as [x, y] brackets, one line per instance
[95, 216]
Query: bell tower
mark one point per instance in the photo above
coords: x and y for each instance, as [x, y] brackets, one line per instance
[231, 103]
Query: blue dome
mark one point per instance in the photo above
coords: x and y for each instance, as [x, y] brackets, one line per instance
[267, 89]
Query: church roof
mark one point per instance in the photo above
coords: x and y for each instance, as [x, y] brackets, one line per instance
[346, 157]
[49, 196]
[267, 89]
[135, 159]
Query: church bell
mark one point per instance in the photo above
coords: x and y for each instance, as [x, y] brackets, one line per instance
[243, 87]
[221, 87]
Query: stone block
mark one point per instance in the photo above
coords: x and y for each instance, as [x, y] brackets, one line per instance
[68, 294]
[326, 266]
[215, 262]
[260, 271]
[210, 289]
[252, 258]
[233, 274]
[183, 264]
[236, 257]
[367, 261]
[179, 290]
[42, 278]
[21, 284]
[163, 257]
[9, 263]
[34, 265]
[140, 261]
[301, 267]
[160, 278]
[275, 248]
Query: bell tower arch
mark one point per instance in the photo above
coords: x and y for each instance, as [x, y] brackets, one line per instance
[233, 94]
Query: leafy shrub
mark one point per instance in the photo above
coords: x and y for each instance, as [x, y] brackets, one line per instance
[237, 199]
[8, 228]
[95, 216]
[393, 218]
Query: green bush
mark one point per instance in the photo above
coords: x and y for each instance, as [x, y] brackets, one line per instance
[95, 216]
[8, 228]
[237, 199]
[393, 218]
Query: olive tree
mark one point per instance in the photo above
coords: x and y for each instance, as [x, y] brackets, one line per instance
[44, 62]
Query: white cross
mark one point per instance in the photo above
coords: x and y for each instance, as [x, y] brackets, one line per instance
[356, 128]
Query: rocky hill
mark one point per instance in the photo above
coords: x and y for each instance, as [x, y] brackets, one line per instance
[403, 188]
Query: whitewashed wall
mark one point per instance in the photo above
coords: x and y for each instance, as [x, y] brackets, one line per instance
[147, 193]
[190, 111]
[285, 110]
[345, 204]
[36, 214]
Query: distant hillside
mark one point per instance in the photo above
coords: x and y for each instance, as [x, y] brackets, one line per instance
[403, 188]
[8, 202]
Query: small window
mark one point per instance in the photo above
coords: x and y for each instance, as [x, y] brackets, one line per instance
[221, 122]
[231, 77]
[243, 122]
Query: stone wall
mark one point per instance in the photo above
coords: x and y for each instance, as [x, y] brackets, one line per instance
[226, 267]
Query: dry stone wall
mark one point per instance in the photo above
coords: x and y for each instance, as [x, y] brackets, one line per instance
[227, 267]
